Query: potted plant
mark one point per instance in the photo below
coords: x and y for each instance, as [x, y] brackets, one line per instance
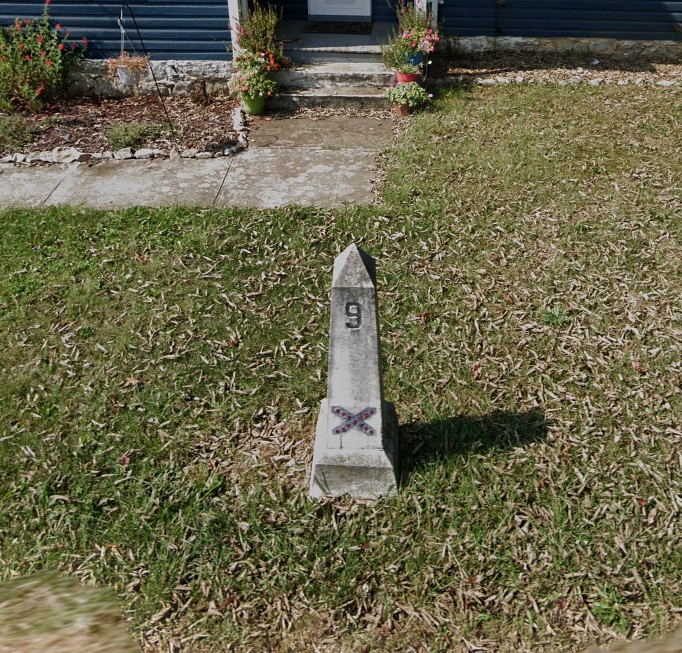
[406, 97]
[127, 68]
[398, 55]
[257, 56]
[252, 83]
[416, 37]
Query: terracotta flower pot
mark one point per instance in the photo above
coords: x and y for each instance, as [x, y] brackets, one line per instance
[404, 78]
[402, 110]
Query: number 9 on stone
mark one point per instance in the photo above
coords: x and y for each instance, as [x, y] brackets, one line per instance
[354, 315]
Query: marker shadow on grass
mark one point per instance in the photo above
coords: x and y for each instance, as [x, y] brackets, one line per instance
[423, 443]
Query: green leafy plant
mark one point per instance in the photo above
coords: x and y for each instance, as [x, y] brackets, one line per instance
[417, 28]
[133, 134]
[411, 94]
[252, 82]
[398, 55]
[258, 54]
[256, 39]
[35, 59]
[15, 132]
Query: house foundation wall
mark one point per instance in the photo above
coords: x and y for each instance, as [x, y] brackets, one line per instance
[174, 77]
[646, 50]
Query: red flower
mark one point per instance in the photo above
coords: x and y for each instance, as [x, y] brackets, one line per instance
[48, 62]
[61, 46]
[39, 38]
[28, 57]
[58, 26]
[47, 2]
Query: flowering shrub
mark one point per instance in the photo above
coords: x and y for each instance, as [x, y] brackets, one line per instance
[255, 38]
[416, 28]
[410, 93]
[416, 36]
[252, 80]
[399, 55]
[35, 58]
[258, 54]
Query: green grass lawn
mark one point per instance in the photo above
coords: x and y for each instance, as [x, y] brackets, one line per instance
[161, 372]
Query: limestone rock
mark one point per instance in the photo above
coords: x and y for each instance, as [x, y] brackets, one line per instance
[67, 155]
[124, 153]
[188, 154]
[144, 153]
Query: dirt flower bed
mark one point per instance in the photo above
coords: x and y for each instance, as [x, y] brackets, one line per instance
[199, 123]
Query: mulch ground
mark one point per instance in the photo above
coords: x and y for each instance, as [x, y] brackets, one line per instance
[204, 124]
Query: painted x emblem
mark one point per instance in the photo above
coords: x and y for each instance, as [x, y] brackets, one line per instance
[351, 421]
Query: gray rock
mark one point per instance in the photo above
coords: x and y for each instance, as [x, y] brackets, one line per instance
[174, 153]
[595, 62]
[19, 157]
[238, 119]
[188, 154]
[124, 153]
[502, 80]
[520, 79]
[666, 82]
[160, 153]
[68, 155]
[144, 153]
[595, 82]
[488, 81]
[7, 159]
[562, 82]
[47, 156]
[217, 154]
[107, 154]
[576, 79]
[623, 82]
[203, 155]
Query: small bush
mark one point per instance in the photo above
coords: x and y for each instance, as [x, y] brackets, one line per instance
[35, 58]
[15, 132]
[132, 134]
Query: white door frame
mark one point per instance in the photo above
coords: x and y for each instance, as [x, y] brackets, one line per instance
[237, 10]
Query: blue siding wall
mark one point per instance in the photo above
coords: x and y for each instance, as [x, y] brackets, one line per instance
[171, 29]
[182, 29]
[620, 19]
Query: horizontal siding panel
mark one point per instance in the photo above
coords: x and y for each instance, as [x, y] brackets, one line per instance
[170, 28]
[623, 19]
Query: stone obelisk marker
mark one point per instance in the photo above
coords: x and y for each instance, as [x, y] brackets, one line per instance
[356, 443]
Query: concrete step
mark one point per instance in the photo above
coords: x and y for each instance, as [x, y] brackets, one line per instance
[331, 55]
[336, 74]
[349, 97]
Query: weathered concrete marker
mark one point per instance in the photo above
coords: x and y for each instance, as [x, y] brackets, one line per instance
[356, 442]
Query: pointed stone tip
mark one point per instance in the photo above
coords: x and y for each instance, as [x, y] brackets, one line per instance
[354, 268]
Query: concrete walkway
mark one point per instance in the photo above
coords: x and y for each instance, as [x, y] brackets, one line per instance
[323, 162]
